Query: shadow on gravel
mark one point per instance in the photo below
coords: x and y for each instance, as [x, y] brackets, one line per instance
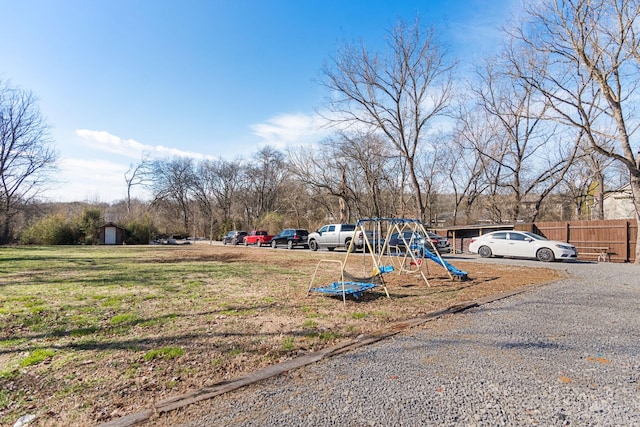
[509, 345]
[528, 345]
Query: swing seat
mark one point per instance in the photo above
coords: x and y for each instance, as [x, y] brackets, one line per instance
[382, 269]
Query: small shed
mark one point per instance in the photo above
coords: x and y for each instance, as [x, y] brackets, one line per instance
[111, 234]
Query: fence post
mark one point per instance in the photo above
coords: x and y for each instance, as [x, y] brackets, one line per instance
[627, 241]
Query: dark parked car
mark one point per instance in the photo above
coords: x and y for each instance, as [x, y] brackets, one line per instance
[234, 237]
[291, 237]
[419, 241]
[441, 243]
[401, 240]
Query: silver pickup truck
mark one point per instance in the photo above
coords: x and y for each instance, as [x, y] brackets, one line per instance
[333, 236]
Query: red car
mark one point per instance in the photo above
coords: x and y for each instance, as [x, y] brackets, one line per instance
[258, 237]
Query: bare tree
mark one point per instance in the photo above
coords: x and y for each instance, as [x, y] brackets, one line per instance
[399, 92]
[265, 172]
[584, 185]
[369, 158]
[350, 175]
[26, 155]
[595, 165]
[429, 169]
[531, 156]
[204, 195]
[464, 166]
[138, 174]
[219, 182]
[591, 82]
[324, 171]
[172, 183]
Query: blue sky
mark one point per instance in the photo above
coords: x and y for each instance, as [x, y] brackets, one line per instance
[119, 78]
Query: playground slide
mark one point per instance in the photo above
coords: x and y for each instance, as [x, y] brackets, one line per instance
[435, 258]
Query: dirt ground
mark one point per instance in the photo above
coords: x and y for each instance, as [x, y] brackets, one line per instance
[258, 317]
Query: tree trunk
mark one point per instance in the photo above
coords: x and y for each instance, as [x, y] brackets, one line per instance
[599, 202]
[635, 189]
[342, 200]
[420, 208]
[5, 231]
[5, 222]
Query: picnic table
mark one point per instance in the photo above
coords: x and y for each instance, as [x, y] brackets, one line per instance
[601, 252]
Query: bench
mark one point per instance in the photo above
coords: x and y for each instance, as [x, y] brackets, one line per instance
[601, 252]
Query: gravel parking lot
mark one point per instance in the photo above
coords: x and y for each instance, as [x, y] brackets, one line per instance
[567, 353]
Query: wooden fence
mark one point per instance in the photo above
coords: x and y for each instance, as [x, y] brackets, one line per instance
[617, 236]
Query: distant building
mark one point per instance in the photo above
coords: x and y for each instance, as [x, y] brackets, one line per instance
[111, 234]
[618, 204]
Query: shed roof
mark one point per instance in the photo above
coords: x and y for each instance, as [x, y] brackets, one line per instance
[111, 224]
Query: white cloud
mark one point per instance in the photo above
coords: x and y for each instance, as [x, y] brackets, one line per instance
[93, 180]
[131, 148]
[99, 177]
[291, 129]
[306, 130]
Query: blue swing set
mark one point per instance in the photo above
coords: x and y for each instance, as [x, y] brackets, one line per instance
[408, 257]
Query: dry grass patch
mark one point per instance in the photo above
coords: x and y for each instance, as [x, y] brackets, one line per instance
[93, 333]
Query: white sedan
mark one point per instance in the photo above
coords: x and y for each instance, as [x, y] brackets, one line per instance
[521, 244]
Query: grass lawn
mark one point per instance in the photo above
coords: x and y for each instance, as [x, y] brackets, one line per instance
[91, 333]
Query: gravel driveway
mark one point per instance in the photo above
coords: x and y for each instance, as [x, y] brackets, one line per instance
[567, 353]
